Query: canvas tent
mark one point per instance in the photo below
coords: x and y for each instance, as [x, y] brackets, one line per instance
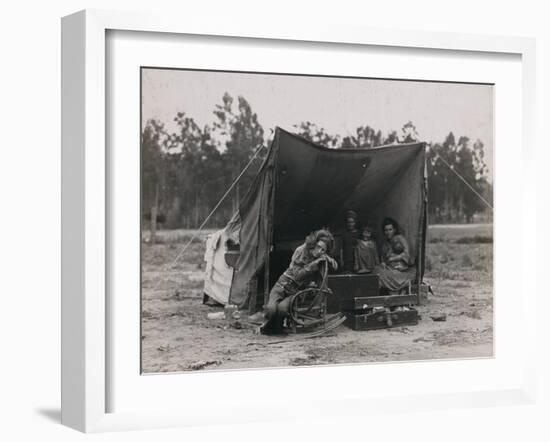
[302, 187]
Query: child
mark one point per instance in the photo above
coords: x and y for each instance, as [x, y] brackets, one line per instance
[397, 248]
[349, 242]
[366, 254]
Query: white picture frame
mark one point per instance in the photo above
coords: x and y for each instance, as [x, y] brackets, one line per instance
[86, 316]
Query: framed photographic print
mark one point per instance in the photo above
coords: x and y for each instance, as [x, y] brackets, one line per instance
[296, 209]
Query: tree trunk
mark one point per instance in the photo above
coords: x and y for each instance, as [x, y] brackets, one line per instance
[196, 209]
[237, 198]
[446, 204]
[154, 211]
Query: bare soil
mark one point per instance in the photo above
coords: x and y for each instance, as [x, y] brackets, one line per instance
[177, 334]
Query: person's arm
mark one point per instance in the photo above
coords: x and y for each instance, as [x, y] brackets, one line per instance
[307, 270]
[314, 266]
[333, 265]
[356, 259]
[385, 255]
[297, 253]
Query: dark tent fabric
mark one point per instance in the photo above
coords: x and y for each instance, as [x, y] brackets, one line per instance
[302, 187]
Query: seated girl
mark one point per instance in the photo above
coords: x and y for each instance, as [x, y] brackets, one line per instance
[366, 254]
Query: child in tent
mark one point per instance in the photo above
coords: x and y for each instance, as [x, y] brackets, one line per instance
[366, 254]
[349, 242]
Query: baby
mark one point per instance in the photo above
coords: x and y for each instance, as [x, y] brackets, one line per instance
[366, 254]
[397, 248]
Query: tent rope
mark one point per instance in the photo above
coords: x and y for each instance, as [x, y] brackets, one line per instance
[196, 234]
[465, 182]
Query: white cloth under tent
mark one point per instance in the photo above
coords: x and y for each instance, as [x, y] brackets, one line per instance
[217, 275]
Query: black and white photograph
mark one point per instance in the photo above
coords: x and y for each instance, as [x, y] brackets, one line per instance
[297, 220]
[232, 221]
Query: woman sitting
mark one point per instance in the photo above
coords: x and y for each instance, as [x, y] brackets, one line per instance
[304, 269]
[396, 269]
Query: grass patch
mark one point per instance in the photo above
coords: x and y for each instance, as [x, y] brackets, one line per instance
[467, 261]
[177, 236]
[460, 233]
[477, 239]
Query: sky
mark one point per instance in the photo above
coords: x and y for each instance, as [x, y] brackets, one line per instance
[339, 105]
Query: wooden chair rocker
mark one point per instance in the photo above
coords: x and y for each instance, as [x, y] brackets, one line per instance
[308, 309]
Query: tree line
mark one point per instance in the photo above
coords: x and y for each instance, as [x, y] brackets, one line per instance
[186, 171]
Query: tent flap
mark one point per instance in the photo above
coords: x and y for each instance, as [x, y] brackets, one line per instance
[255, 235]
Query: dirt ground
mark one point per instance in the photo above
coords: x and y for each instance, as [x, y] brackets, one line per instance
[178, 336]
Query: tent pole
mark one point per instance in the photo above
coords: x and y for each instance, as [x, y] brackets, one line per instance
[271, 213]
[252, 295]
[423, 221]
[419, 261]
[266, 276]
[268, 249]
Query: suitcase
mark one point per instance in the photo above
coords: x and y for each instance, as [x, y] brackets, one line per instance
[374, 320]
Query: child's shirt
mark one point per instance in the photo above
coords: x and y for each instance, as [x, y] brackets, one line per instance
[366, 256]
[349, 241]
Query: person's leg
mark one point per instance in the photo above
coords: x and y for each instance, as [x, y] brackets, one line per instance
[283, 311]
[276, 294]
[273, 321]
[283, 307]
